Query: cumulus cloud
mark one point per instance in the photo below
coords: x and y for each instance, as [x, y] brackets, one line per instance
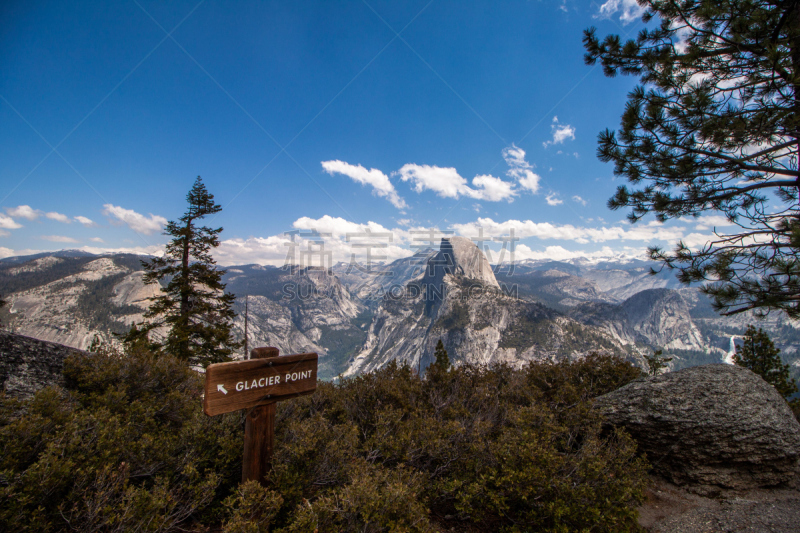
[140, 250]
[520, 169]
[327, 240]
[57, 238]
[336, 226]
[629, 10]
[561, 132]
[447, 183]
[58, 217]
[696, 241]
[492, 189]
[381, 186]
[444, 181]
[579, 200]
[8, 222]
[85, 221]
[552, 199]
[96, 239]
[23, 211]
[712, 221]
[581, 235]
[559, 253]
[136, 221]
[322, 241]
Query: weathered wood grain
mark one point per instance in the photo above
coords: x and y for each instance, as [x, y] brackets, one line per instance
[259, 436]
[246, 384]
[259, 432]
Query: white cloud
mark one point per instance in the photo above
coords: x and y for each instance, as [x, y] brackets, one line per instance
[559, 253]
[444, 181]
[561, 132]
[4, 233]
[552, 199]
[579, 200]
[696, 241]
[323, 241]
[336, 226]
[328, 240]
[149, 250]
[493, 189]
[405, 221]
[711, 221]
[8, 222]
[85, 221]
[631, 10]
[581, 235]
[23, 211]
[379, 181]
[96, 239]
[447, 183]
[136, 221]
[520, 169]
[64, 219]
[57, 238]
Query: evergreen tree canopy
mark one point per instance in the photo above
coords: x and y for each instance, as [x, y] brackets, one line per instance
[193, 305]
[442, 360]
[714, 128]
[656, 362]
[759, 354]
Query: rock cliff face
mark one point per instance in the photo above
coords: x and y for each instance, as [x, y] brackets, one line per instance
[662, 317]
[368, 286]
[60, 298]
[298, 310]
[359, 318]
[655, 317]
[459, 301]
[28, 365]
[460, 258]
[709, 425]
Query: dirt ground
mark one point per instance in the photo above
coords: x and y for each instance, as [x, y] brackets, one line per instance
[673, 509]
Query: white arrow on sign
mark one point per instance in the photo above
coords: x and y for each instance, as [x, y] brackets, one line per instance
[221, 389]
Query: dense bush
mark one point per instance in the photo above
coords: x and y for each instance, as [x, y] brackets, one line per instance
[126, 447]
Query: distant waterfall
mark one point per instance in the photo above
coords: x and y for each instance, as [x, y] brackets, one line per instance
[728, 357]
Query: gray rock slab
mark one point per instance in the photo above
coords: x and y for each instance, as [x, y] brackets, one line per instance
[711, 425]
[28, 365]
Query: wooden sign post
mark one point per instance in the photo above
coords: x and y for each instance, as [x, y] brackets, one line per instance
[257, 384]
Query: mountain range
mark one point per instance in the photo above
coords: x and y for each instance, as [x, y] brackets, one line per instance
[359, 317]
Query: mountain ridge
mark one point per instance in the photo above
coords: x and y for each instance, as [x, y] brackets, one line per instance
[491, 314]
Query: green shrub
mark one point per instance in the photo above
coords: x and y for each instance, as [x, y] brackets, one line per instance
[125, 446]
[498, 448]
[375, 499]
[252, 508]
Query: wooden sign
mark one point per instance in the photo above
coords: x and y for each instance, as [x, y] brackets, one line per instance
[256, 385]
[245, 384]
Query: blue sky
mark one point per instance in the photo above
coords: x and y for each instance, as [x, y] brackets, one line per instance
[340, 117]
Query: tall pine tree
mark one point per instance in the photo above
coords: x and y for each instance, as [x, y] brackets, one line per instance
[194, 307]
[442, 360]
[758, 353]
[714, 127]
